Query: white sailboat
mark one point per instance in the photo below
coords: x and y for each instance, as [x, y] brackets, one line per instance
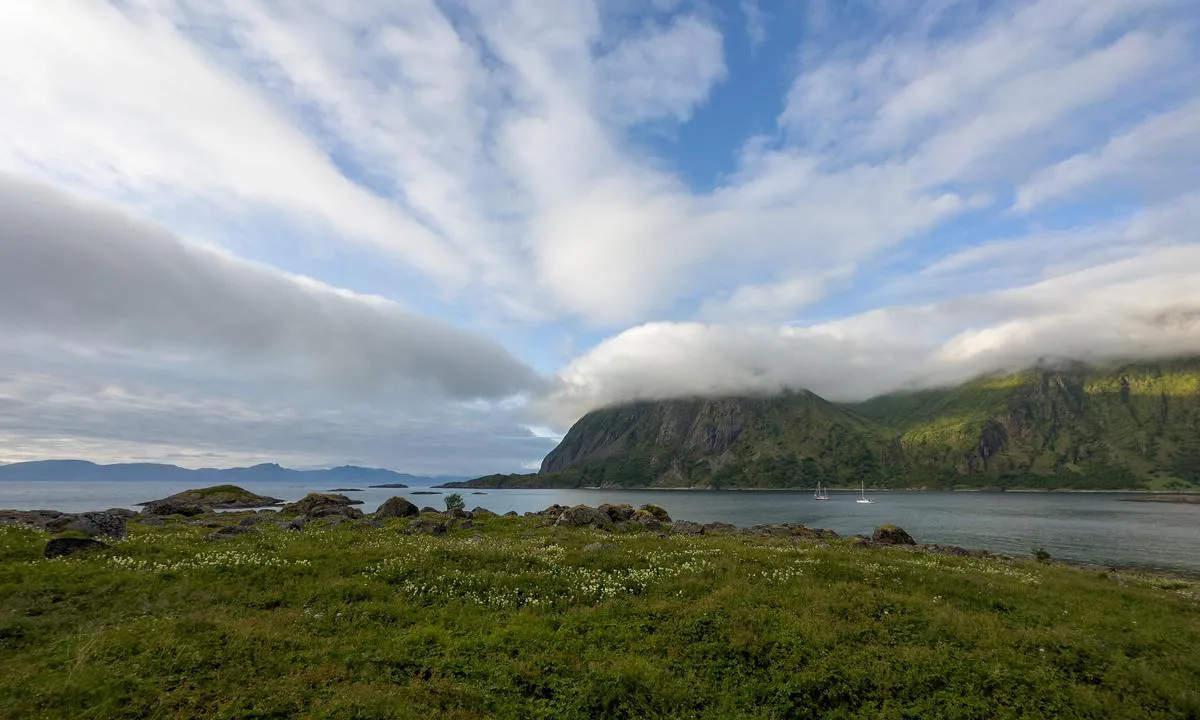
[820, 494]
[862, 495]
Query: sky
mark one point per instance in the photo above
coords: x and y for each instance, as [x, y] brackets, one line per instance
[428, 235]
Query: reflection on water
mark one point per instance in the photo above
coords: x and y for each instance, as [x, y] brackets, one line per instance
[1102, 528]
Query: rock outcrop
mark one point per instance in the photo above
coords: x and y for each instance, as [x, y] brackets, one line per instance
[891, 535]
[190, 503]
[321, 505]
[108, 523]
[584, 516]
[397, 507]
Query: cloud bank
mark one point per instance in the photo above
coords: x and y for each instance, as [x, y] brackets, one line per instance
[86, 275]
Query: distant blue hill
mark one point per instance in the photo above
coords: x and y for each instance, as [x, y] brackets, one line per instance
[84, 471]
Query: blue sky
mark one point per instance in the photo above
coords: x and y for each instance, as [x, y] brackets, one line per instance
[429, 235]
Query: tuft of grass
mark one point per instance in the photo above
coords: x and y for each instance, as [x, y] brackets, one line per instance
[512, 619]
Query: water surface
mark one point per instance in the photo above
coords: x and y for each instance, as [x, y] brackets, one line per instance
[1101, 528]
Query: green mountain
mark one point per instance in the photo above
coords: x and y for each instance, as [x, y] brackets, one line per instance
[1075, 426]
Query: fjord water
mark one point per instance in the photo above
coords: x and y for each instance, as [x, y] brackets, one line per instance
[1100, 528]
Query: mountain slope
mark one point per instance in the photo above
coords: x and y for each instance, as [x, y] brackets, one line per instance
[1070, 426]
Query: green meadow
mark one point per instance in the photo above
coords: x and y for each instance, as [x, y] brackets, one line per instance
[513, 619]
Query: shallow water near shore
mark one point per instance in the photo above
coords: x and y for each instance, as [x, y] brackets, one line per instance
[1099, 528]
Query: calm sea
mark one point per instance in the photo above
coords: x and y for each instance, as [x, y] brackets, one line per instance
[1101, 528]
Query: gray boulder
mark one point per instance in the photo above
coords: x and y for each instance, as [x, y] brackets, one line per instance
[172, 507]
[687, 527]
[584, 516]
[321, 505]
[599, 547]
[230, 531]
[647, 520]
[426, 526]
[61, 547]
[482, 513]
[618, 512]
[92, 524]
[396, 507]
[657, 512]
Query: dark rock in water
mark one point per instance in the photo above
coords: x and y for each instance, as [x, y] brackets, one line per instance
[396, 507]
[687, 527]
[425, 492]
[61, 547]
[318, 505]
[657, 512]
[91, 524]
[172, 507]
[227, 532]
[891, 535]
[584, 516]
[424, 526]
[334, 490]
[479, 492]
[599, 547]
[617, 513]
[217, 497]
[400, 486]
[482, 513]
[719, 528]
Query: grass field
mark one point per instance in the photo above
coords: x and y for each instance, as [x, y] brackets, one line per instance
[511, 619]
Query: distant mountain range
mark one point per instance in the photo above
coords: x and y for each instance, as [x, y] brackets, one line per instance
[84, 471]
[1064, 426]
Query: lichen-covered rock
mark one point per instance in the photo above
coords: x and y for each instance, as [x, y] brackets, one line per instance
[617, 512]
[657, 512]
[599, 547]
[397, 507]
[61, 547]
[426, 526]
[320, 505]
[92, 524]
[168, 506]
[687, 527]
[646, 520]
[891, 535]
[482, 513]
[719, 528]
[227, 532]
[584, 516]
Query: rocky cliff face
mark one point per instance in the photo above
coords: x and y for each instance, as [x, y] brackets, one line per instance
[1071, 426]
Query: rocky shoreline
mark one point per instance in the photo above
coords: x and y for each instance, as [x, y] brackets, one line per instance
[78, 532]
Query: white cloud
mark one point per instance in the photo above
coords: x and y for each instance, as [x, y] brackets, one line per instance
[756, 25]
[1147, 306]
[81, 273]
[1161, 153]
[663, 73]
